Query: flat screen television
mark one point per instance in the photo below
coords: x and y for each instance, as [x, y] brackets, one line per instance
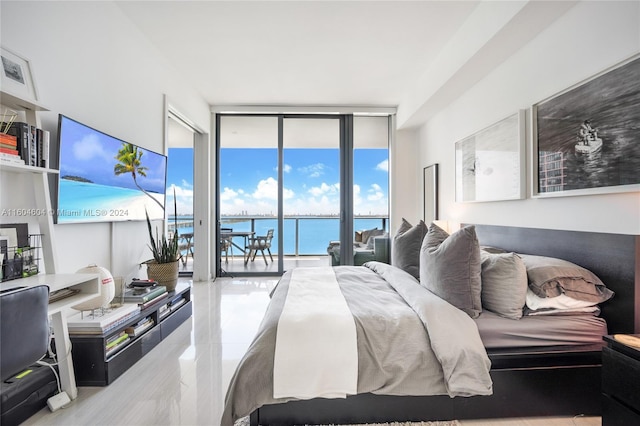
[105, 179]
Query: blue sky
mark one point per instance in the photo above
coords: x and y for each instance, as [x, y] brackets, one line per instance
[248, 182]
[91, 154]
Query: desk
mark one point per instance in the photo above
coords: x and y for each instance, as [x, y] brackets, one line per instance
[244, 234]
[89, 286]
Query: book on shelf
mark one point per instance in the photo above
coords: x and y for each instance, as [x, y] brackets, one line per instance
[139, 328]
[177, 303]
[153, 301]
[115, 339]
[172, 306]
[132, 295]
[11, 159]
[32, 143]
[87, 323]
[118, 346]
[10, 151]
[9, 140]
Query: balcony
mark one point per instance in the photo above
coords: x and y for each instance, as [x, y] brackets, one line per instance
[305, 243]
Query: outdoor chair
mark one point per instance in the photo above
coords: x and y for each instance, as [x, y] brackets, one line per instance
[261, 243]
[225, 244]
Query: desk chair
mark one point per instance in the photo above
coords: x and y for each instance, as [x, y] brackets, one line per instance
[261, 243]
[24, 339]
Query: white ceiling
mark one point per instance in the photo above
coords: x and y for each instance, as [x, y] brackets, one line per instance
[330, 53]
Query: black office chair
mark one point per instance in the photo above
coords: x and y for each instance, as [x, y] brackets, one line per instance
[24, 340]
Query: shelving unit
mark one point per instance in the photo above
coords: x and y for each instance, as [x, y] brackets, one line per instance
[87, 284]
[39, 178]
[92, 365]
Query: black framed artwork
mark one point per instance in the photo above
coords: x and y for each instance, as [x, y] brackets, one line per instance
[586, 140]
[430, 185]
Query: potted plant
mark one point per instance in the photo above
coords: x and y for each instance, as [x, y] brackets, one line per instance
[163, 268]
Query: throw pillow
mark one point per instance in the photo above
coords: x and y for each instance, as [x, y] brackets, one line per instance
[450, 267]
[504, 284]
[551, 277]
[405, 251]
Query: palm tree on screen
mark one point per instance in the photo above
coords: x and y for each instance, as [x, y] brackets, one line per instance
[130, 161]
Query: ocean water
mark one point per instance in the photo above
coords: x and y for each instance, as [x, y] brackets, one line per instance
[314, 234]
[90, 202]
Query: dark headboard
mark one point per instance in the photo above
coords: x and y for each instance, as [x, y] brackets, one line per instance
[615, 258]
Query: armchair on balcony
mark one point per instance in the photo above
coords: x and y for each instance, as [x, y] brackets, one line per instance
[261, 243]
[368, 245]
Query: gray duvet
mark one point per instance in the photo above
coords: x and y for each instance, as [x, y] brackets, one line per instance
[410, 342]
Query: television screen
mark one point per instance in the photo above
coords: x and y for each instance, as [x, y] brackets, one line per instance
[104, 179]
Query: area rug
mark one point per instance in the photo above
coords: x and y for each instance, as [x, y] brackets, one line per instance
[245, 422]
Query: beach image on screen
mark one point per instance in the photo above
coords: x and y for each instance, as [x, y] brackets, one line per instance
[106, 179]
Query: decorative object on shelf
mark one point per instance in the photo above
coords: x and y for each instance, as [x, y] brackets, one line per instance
[17, 76]
[583, 139]
[164, 266]
[490, 164]
[107, 289]
[430, 175]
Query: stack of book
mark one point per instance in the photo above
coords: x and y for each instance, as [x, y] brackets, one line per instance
[171, 306]
[145, 297]
[140, 327]
[32, 143]
[116, 342]
[9, 149]
[86, 322]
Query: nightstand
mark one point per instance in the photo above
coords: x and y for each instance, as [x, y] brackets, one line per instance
[620, 383]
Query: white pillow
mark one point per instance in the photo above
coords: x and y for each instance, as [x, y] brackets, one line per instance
[563, 301]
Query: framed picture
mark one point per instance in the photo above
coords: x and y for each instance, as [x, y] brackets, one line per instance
[17, 76]
[430, 175]
[586, 140]
[490, 164]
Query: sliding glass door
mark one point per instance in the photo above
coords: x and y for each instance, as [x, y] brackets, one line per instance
[293, 189]
[311, 188]
[248, 201]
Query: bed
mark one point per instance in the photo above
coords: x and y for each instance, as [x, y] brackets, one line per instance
[542, 379]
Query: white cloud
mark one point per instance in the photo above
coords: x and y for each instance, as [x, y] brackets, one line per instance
[313, 170]
[268, 189]
[285, 169]
[184, 199]
[90, 148]
[228, 194]
[317, 191]
[383, 166]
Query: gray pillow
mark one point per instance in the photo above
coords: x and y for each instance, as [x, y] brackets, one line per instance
[551, 277]
[405, 251]
[504, 284]
[450, 267]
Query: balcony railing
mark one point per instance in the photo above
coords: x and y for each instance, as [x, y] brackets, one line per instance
[303, 235]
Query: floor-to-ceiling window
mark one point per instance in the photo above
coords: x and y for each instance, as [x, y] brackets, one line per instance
[285, 173]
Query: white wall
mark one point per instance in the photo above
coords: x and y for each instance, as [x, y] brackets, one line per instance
[91, 64]
[589, 38]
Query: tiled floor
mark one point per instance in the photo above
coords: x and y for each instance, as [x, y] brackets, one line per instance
[183, 380]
